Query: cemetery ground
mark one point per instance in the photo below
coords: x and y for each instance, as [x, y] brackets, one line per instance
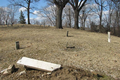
[83, 55]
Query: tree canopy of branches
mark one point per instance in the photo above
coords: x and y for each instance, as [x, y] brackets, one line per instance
[49, 13]
[1, 15]
[115, 0]
[68, 15]
[22, 3]
[77, 6]
[12, 13]
[60, 5]
[100, 12]
[117, 11]
[7, 15]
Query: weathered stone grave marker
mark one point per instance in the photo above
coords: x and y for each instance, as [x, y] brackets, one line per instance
[17, 45]
[108, 36]
[38, 64]
[67, 33]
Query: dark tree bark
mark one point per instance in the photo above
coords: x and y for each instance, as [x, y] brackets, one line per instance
[76, 19]
[101, 12]
[117, 20]
[100, 17]
[59, 17]
[70, 18]
[117, 23]
[28, 12]
[77, 6]
[60, 5]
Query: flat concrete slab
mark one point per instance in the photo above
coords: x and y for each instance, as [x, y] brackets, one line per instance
[38, 64]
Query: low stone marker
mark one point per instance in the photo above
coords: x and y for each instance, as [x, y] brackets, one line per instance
[67, 33]
[38, 64]
[17, 45]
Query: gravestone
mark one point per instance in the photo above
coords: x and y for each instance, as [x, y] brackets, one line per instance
[38, 64]
[67, 33]
[108, 36]
[17, 45]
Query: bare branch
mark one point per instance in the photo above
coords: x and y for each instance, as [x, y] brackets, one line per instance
[80, 7]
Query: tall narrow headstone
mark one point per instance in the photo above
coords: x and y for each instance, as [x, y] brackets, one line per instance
[108, 36]
[17, 45]
[67, 33]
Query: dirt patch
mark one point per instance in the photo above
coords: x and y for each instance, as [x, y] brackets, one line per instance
[65, 73]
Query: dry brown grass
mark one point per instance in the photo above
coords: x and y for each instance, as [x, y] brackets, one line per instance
[92, 51]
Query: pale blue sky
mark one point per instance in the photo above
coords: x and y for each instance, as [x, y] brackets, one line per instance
[40, 4]
[4, 3]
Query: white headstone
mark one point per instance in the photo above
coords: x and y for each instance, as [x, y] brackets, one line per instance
[108, 36]
[38, 64]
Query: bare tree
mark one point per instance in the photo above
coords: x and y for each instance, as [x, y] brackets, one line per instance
[77, 6]
[84, 13]
[1, 15]
[117, 20]
[5, 15]
[116, 1]
[49, 13]
[110, 7]
[35, 21]
[22, 4]
[12, 13]
[60, 5]
[99, 10]
[83, 18]
[68, 15]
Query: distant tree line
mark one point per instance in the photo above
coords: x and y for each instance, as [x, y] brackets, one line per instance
[7, 15]
[112, 21]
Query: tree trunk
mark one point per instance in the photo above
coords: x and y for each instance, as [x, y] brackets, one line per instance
[59, 17]
[100, 24]
[83, 19]
[114, 29]
[56, 21]
[69, 18]
[0, 19]
[84, 24]
[109, 21]
[117, 23]
[28, 12]
[100, 16]
[76, 19]
[6, 22]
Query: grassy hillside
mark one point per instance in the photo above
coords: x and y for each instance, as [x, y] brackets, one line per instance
[92, 51]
